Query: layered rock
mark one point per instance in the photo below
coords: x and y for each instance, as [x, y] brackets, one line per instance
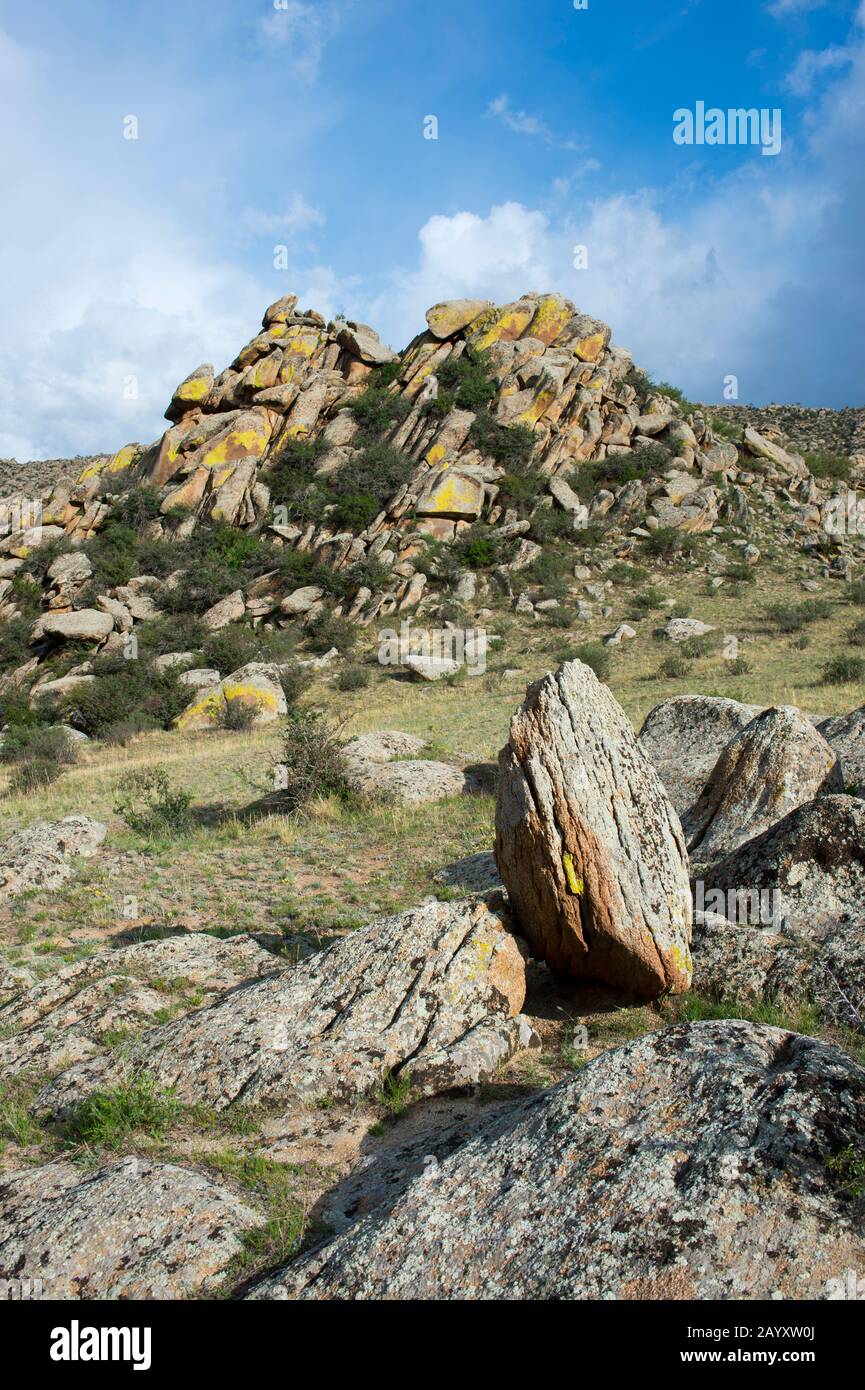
[433, 995]
[712, 1139]
[777, 762]
[587, 844]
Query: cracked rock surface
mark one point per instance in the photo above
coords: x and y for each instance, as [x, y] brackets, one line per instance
[130, 1229]
[689, 1164]
[587, 843]
[434, 992]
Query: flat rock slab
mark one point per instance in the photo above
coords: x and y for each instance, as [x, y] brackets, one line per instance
[65, 1018]
[587, 844]
[434, 993]
[130, 1230]
[776, 763]
[689, 1165]
[38, 856]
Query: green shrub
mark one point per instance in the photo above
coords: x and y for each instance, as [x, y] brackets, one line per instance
[311, 762]
[121, 733]
[841, 669]
[15, 642]
[353, 678]
[550, 571]
[236, 717]
[294, 681]
[38, 755]
[510, 445]
[465, 381]
[123, 688]
[829, 466]
[668, 543]
[135, 509]
[171, 632]
[790, 617]
[647, 600]
[151, 806]
[376, 411]
[328, 630]
[594, 655]
[478, 548]
[643, 463]
[675, 666]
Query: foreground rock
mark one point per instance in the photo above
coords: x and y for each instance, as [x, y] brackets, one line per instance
[777, 762]
[690, 1164]
[433, 994]
[385, 764]
[38, 857]
[587, 844]
[684, 737]
[65, 1018]
[132, 1229]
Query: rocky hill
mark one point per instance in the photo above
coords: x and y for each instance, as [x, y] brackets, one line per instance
[358, 1012]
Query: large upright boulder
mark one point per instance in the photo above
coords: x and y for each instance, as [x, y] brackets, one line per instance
[692, 1164]
[777, 762]
[587, 844]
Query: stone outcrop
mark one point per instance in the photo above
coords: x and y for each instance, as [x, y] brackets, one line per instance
[66, 1018]
[433, 994]
[691, 1164]
[131, 1229]
[38, 857]
[777, 762]
[684, 737]
[587, 844]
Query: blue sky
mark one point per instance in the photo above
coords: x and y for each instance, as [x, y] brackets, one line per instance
[301, 124]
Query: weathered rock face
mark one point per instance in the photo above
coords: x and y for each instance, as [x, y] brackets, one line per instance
[825, 966]
[384, 764]
[712, 1138]
[777, 762]
[38, 857]
[131, 1229]
[587, 844]
[684, 737]
[814, 859]
[846, 734]
[433, 993]
[64, 1018]
[255, 686]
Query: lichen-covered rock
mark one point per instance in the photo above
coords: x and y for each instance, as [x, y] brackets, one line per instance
[384, 746]
[691, 1164]
[433, 994]
[814, 859]
[448, 318]
[824, 966]
[38, 857]
[846, 734]
[132, 1229]
[414, 781]
[255, 687]
[587, 844]
[777, 762]
[684, 737]
[66, 1017]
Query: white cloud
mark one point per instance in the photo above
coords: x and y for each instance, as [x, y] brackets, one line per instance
[297, 215]
[523, 123]
[302, 30]
[781, 8]
[811, 65]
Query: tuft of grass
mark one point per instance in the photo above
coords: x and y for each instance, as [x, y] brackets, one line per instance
[111, 1118]
[847, 1170]
[395, 1093]
[843, 668]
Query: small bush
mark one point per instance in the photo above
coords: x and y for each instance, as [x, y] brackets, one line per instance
[236, 717]
[123, 731]
[791, 617]
[38, 755]
[122, 689]
[329, 630]
[843, 668]
[151, 806]
[829, 466]
[594, 655]
[353, 678]
[739, 667]
[675, 666]
[510, 445]
[311, 762]
[478, 548]
[294, 681]
[668, 543]
[647, 600]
